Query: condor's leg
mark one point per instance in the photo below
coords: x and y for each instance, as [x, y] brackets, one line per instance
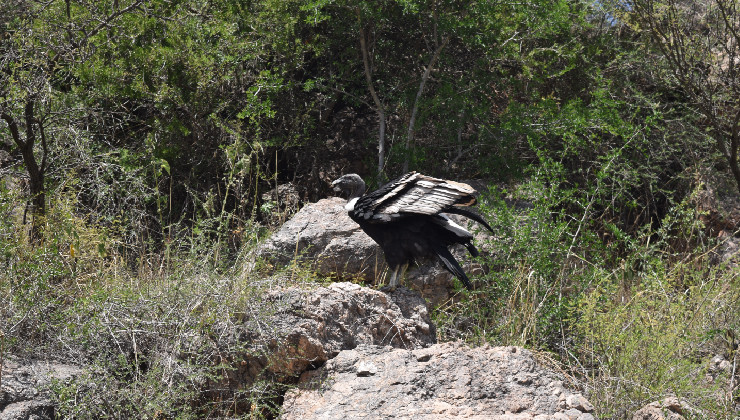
[402, 272]
[393, 283]
[396, 277]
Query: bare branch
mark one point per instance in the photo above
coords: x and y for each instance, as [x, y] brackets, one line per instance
[380, 109]
[417, 100]
[114, 15]
[13, 126]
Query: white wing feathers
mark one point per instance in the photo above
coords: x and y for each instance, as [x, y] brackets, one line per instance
[416, 193]
[453, 227]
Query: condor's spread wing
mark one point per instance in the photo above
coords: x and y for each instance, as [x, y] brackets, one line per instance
[413, 193]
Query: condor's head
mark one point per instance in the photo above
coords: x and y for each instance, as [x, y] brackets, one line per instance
[349, 186]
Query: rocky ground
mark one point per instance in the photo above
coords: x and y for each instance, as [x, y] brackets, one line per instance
[24, 387]
[361, 352]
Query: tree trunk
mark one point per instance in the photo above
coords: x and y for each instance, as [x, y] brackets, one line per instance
[415, 109]
[38, 204]
[379, 108]
[734, 146]
[381, 144]
[36, 171]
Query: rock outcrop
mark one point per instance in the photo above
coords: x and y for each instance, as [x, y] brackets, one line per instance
[446, 381]
[313, 326]
[23, 388]
[308, 327]
[322, 234]
[345, 315]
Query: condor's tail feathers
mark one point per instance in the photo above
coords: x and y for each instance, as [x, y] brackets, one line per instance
[453, 266]
[472, 249]
[469, 214]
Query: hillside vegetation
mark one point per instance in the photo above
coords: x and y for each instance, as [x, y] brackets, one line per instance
[142, 144]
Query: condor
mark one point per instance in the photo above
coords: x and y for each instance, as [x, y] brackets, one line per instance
[406, 218]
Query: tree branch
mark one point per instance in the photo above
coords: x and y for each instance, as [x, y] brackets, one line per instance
[415, 109]
[30, 134]
[366, 64]
[110, 18]
[729, 25]
[378, 104]
[13, 126]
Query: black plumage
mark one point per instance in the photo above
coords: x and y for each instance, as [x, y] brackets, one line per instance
[406, 218]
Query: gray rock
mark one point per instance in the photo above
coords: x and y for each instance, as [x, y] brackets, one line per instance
[24, 389]
[579, 402]
[573, 414]
[345, 315]
[718, 364]
[447, 380]
[728, 251]
[312, 326]
[323, 235]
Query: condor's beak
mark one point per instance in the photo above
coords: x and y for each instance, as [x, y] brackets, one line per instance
[335, 185]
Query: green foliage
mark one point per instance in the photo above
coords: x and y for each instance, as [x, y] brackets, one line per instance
[640, 345]
[690, 47]
[635, 317]
[160, 338]
[527, 296]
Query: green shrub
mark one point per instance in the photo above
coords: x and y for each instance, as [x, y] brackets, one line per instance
[635, 317]
[638, 347]
[161, 336]
[537, 266]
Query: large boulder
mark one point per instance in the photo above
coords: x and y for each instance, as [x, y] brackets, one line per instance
[322, 235]
[311, 326]
[447, 380]
[342, 316]
[24, 387]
